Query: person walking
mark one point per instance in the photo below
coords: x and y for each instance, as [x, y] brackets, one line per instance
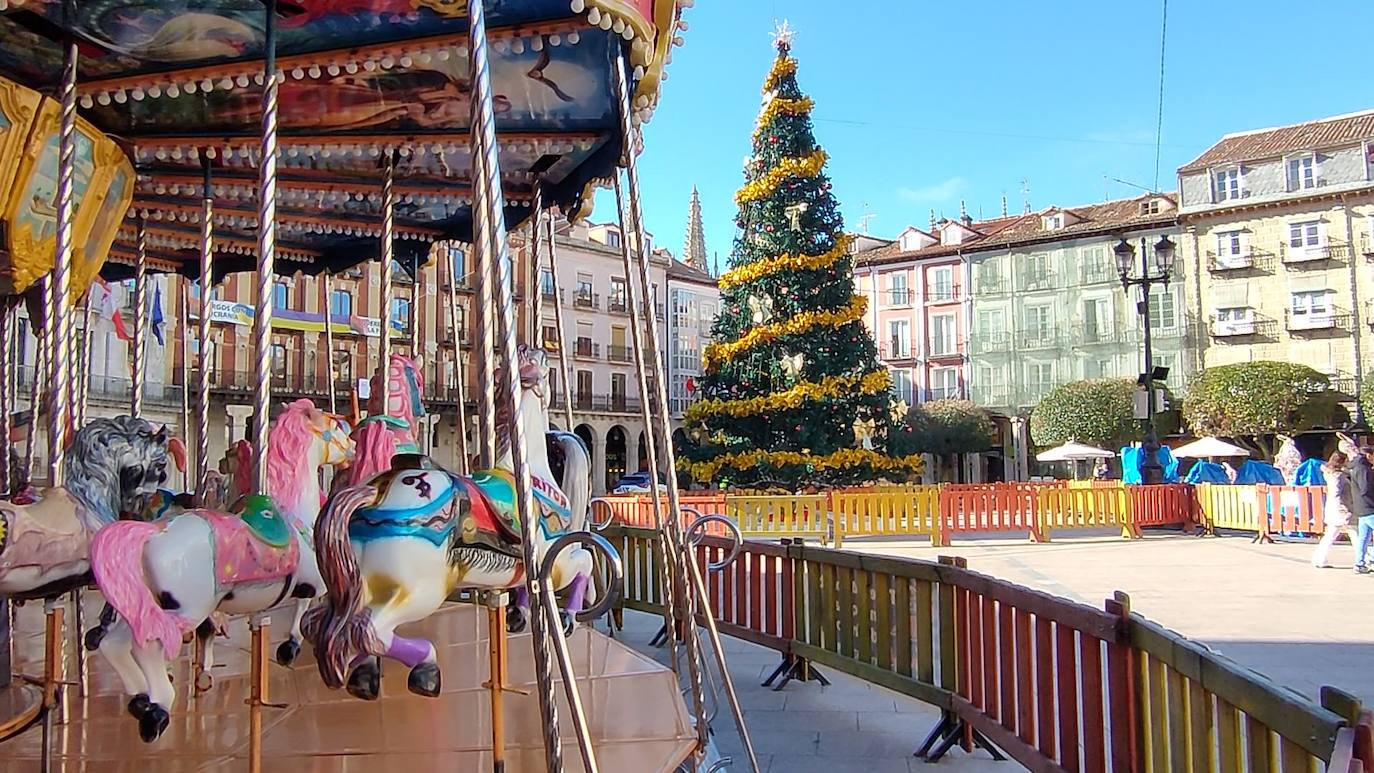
[1336, 514]
[1362, 504]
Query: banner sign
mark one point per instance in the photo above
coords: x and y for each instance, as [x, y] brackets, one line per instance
[231, 313]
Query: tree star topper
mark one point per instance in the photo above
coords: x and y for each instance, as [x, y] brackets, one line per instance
[783, 34]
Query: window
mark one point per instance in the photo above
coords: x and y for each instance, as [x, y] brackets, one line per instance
[899, 338]
[1310, 303]
[461, 316]
[1039, 378]
[550, 338]
[281, 296]
[900, 294]
[1234, 321]
[1150, 207]
[1094, 266]
[1037, 319]
[1097, 368]
[618, 297]
[613, 238]
[584, 288]
[279, 360]
[1174, 379]
[989, 278]
[1302, 172]
[546, 286]
[584, 388]
[902, 385]
[942, 283]
[1229, 244]
[993, 384]
[459, 266]
[340, 305]
[1304, 234]
[618, 391]
[1234, 314]
[400, 313]
[343, 366]
[1163, 308]
[1097, 319]
[944, 383]
[992, 322]
[942, 332]
[1054, 222]
[1227, 184]
[1037, 271]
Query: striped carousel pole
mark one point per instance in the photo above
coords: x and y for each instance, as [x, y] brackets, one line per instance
[536, 262]
[206, 284]
[140, 316]
[388, 250]
[458, 370]
[262, 351]
[40, 330]
[495, 248]
[184, 325]
[329, 342]
[696, 599]
[6, 407]
[82, 393]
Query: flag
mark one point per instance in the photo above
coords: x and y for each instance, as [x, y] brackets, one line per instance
[109, 310]
[157, 317]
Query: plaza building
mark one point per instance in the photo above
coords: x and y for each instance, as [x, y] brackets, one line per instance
[1278, 226]
[1003, 310]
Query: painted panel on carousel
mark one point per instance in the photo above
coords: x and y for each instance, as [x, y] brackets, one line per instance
[141, 35]
[562, 87]
[18, 108]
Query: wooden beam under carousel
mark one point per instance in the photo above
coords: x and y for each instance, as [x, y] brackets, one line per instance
[172, 236]
[295, 181]
[150, 143]
[240, 73]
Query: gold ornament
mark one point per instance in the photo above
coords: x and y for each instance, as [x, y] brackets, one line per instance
[873, 383]
[846, 457]
[899, 411]
[795, 212]
[863, 432]
[773, 265]
[792, 365]
[806, 166]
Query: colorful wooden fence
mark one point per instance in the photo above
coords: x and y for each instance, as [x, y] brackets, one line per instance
[1057, 685]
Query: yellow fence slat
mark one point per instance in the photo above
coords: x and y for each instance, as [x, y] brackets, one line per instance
[1084, 508]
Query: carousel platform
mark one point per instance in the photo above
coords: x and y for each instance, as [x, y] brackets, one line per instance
[637, 718]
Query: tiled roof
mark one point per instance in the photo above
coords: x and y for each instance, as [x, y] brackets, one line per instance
[1269, 143]
[1121, 214]
[679, 270]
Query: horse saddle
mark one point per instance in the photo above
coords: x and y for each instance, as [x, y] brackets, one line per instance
[264, 521]
[497, 489]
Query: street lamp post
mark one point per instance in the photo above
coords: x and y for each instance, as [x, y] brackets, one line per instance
[1150, 470]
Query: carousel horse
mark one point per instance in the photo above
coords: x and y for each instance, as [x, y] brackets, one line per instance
[1288, 459]
[112, 468]
[165, 579]
[394, 548]
[388, 429]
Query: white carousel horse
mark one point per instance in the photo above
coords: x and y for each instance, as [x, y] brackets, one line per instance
[394, 548]
[113, 467]
[1288, 459]
[166, 578]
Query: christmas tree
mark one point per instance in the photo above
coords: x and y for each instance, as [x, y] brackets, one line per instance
[793, 394]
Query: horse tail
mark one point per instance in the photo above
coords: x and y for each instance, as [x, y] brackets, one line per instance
[577, 477]
[117, 562]
[330, 626]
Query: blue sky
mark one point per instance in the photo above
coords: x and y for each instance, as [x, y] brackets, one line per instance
[921, 104]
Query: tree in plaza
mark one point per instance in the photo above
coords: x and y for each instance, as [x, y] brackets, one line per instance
[947, 428]
[793, 392]
[1253, 402]
[1096, 411]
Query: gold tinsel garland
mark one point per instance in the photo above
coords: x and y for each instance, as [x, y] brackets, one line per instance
[845, 457]
[831, 387]
[806, 166]
[786, 263]
[782, 67]
[717, 353]
[780, 106]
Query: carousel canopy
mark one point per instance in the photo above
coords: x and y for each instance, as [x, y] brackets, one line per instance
[178, 84]
[1208, 447]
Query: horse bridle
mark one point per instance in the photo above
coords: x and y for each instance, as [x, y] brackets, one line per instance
[332, 437]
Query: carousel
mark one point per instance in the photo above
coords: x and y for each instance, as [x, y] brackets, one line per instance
[328, 597]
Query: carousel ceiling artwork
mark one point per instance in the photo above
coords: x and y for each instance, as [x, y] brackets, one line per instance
[178, 84]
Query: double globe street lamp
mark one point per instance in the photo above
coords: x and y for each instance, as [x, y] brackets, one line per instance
[1150, 470]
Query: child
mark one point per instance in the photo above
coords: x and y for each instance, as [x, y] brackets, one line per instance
[1337, 515]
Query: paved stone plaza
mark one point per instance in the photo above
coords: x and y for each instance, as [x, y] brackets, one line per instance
[848, 727]
[1262, 605]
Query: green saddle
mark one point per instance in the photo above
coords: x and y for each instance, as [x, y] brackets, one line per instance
[264, 520]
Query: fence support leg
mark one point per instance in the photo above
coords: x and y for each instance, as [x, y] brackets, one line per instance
[950, 730]
[794, 667]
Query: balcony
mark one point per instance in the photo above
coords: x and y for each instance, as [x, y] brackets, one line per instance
[991, 342]
[944, 393]
[1037, 339]
[898, 297]
[586, 349]
[1251, 260]
[889, 352]
[1252, 327]
[992, 285]
[943, 295]
[587, 300]
[617, 304]
[944, 353]
[288, 383]
[1315, 254]
[1039, 281]
[1099, 336]
[1313, 321]
[612, 403]
[616, 353]
[1097, 273]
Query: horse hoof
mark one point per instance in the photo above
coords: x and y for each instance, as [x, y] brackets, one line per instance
[94, 637]
[153, 723]
[425, 680]
[516, 620]
[287, 652]
[567, 620]
[139, 705]
[366, 680]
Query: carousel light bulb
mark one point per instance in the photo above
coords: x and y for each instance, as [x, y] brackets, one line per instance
[628, 33]
[388, 62]
[177, 154]
[314, 71]
[443, 54]
[207, 85]
[87, 102]
[173, 90]
[683, 25]
[594, 16]
[369, 65]
[606, 21]
[297, 73]
[227, 83]
[517, 46]
[406, 62]
[242, 81]
[160, 190]
[618, 26]
[639, 72]
[555, 40]
[161, 154]
[677, 40]
[154, 91]
[351, 68]
[501, 46]
[424, 57]
[137, 93]
[103, 98]
[332, 69]
[574, 38]
[578, 6]
[537, 43]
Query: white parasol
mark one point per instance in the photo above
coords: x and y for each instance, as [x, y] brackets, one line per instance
[1209, 447]
[1073, 452]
